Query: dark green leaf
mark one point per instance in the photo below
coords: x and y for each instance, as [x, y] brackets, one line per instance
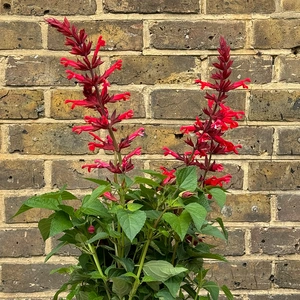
[213, 231]
[164, 295]
[227, 292]
[131, 222]
[44, 227]
[98, 181]
[121, 286]
[220, 221]
[179, 224]
[173, 284]
[198, 214]
[186, 178]
[213, 289]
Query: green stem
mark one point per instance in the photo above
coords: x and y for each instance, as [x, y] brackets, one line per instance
[96, 260]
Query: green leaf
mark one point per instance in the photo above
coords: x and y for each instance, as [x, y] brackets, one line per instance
[98, 181]
[220, 221]
[198, 214]
[59, 223]
[179, 224]
[219, 196]
[186, 178]
[227, 292]
[213, 231]
[121, 286]
[127, 263]
[213, 289]
[147, 181]
[91, 205]
[164, 295]
[173, 284]
[134, 206]
[99, 236]
[100, 190]
[49, 201]
[56, 249]
[161, 270]
[44, 227]
[131, 222]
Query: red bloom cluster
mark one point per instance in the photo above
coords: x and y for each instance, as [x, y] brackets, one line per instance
[205, 137]
[95, 91]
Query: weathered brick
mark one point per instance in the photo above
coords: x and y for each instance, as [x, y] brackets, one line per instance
[62, 111]
[289, 141]
[154, 6]
[254, 140]
[20, 35]
[274, 297]
[239, 275]
[274, 105]
[29, 278]
[44, 7]
[21, 243]
[287, 274]
[245, 208]
[279, 241]
[200, 35]
[13, 171]
[257, 68]
[46, 139]
[12, 205]
[291, 5]
[235, 245]
[240, 7]
[21, 104]
[118, 35]
[156, 69]
[287, 207]
[155, 138]
[289, 69]
[276, 34]
[43, 70]
[264, 175]
[187, 104]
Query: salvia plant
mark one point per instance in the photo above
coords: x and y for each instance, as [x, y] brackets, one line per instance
[141, 237]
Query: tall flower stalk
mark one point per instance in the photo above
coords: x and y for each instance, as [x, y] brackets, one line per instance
[141, 237]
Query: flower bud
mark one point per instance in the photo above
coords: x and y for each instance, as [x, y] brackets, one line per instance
[91, 229]
[186, 194]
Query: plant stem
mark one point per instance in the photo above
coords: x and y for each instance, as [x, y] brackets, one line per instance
[96, 260]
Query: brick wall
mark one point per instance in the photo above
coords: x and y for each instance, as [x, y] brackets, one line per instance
[165, 45]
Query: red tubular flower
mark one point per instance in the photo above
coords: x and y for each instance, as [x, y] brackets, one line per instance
[214, 181]
[85, 70]
[170, 177]
[206, 137]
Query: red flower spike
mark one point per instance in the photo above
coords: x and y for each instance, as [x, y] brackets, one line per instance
[206, 137]
[91, 229]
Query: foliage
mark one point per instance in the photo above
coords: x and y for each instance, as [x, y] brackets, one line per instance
[141, 237]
